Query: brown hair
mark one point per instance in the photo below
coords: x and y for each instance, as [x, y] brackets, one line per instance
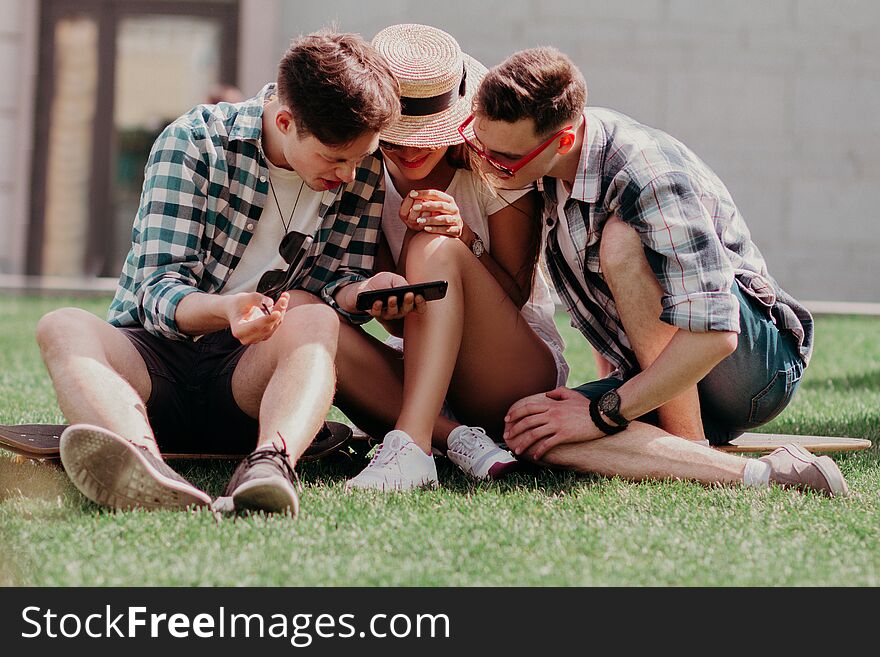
[541, 84]
[337, 87]
[460, 157]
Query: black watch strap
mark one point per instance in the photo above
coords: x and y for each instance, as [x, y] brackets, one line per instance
[599, 421]
[615, 416]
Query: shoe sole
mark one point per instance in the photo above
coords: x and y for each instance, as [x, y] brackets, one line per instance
[827, 467]
[269, 494]
[110, 471]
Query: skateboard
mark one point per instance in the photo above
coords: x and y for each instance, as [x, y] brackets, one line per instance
[763, 443]
[41, 442]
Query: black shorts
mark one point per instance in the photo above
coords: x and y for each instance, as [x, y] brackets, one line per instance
[191, 407]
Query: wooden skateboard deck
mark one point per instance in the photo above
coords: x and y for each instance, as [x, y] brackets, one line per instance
[763, 443]
[41, 441]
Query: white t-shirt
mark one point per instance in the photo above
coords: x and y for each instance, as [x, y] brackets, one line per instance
[476, 203]
[261, 254]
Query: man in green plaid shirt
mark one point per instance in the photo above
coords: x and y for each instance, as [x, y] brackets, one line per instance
[219, 338]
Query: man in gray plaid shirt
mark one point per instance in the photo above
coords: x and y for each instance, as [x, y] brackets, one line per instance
[257, 227]
[697, 343]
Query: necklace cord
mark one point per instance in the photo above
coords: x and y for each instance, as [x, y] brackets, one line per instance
[278, 205]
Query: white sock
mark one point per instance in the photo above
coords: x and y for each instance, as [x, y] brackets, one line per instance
[757, 473]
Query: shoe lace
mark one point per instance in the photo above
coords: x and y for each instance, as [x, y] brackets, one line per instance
[383, 456]
[279, 456]
[473, 441]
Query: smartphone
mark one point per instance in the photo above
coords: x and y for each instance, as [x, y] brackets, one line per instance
[430, 291]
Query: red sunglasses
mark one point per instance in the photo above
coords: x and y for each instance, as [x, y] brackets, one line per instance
[506, 169]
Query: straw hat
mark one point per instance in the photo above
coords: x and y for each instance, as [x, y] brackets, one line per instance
[437, 84]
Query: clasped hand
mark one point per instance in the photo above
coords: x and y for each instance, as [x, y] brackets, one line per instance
[432, 211]
[534, 425]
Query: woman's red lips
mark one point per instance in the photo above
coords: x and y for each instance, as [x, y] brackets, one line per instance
[332, 184]
[414, 164]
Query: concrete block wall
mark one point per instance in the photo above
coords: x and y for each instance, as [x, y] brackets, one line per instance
[16, 42]
[780, 97]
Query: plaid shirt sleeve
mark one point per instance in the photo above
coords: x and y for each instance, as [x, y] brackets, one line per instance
[692, 268]
[168, 230]
[357, 261]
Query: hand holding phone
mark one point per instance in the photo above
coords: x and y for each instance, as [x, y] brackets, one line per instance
[430, 291]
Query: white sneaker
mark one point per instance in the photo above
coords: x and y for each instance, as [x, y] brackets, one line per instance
[398, 464]
[475, 453]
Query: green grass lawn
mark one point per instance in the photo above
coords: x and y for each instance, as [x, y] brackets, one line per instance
[534, 528]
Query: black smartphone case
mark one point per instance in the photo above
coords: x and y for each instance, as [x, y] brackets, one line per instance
[431, 291]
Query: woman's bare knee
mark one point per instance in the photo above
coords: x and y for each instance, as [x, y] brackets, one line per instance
[429, 253]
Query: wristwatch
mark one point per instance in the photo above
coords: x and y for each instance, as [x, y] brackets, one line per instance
[609, 405]
[477, 246]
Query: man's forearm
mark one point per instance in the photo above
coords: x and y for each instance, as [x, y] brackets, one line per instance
[682, 364]
[201, 313]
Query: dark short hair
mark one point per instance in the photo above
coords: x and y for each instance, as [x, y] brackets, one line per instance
[337, 87]
[541, 84]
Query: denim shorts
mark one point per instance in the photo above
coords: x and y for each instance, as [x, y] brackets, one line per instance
[748, 388]
[191, 406]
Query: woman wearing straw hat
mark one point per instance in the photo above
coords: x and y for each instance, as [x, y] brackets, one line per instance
[492, 340]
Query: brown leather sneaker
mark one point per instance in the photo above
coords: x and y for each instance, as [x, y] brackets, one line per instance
[792, 466]
[264, 481]
[111, 471]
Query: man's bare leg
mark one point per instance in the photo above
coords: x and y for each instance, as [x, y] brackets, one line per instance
[637, 295]
[98, 375]
[288, 380]
[102, 383]
[644, 451]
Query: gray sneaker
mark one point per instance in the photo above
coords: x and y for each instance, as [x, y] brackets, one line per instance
[792, 466]
[114, 472]
[263, 481]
